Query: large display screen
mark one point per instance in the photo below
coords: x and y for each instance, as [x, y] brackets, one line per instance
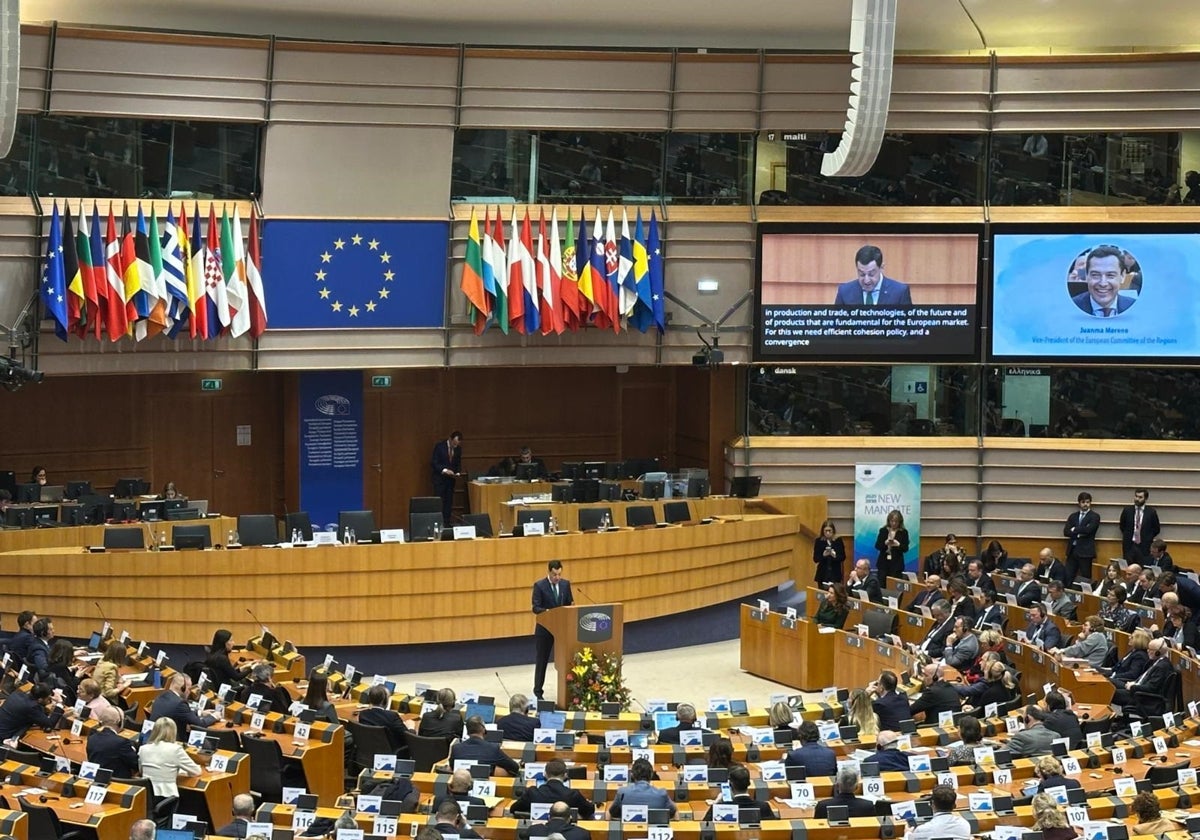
[858, 293]
[1107, 293]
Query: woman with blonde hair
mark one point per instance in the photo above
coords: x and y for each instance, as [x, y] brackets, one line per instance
[162, 759]
[107, 672]
[861, 713]
[1048, 818]
[781, 716]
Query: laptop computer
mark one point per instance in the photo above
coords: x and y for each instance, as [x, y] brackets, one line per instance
[201, 506]
[53, 492]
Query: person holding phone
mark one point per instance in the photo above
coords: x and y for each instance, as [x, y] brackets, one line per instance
[829, 553]
[892, 545]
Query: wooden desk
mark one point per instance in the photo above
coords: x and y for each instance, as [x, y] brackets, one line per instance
[218, 789]
[322, 757]
[14, 824]
[110, 820]
[799, 655]
[173, 597]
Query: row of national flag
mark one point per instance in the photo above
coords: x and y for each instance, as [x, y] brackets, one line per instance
[566, 283]
[141, 282]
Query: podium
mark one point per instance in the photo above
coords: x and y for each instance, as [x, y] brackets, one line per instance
[598, 626]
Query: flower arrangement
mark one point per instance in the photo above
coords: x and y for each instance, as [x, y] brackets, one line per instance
[595, 679]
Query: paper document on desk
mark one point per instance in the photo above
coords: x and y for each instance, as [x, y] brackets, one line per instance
[824, 629]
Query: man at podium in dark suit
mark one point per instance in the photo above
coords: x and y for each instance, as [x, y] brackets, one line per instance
[549, 592]
[871, 287]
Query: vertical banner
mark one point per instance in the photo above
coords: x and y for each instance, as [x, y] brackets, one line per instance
[331, 425]
[878, 490]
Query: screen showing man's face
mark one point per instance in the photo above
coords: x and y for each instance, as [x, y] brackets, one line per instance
[869, 275]
[1104, 279]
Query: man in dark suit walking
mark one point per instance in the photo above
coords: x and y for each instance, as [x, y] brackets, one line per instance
[1080, 532]
[871, 287]
[446, 465]
[549, 592]
[1139, 526]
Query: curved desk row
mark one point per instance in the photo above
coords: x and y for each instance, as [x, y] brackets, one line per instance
[418, 593]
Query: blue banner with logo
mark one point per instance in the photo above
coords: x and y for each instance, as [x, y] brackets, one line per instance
[331, 429]
[880, 489]
[346, 273]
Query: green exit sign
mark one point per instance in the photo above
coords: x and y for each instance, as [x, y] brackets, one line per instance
[210, 384]
[381, 382]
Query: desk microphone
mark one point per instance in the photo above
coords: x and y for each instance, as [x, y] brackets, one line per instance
[507, 693]
[584, 594]
[102, 615]
[264, 627]
[640, 706]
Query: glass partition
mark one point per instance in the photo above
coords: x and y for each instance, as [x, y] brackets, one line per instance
[864, 400]
[1115, 168]
[912, 169]
[96, 158]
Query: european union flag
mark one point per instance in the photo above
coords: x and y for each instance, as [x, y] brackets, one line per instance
[348, 273]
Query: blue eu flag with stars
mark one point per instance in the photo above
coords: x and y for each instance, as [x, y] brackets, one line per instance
[355, 274]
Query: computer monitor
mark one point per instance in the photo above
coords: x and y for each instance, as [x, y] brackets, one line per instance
[46, 513]
[590, 519]
[361, 522]
[125, 538]
[527, 472]
[174, 504]
[8, 481]
[665, 720]
[697, 487]
[745, 486]
[75, 489]
[424, 526]
[191, 536]
[28, 493]
[594, 469]
[563, 491]
[177, 514]
[152, 510]
[572, 469]
[536, 515]
[53, 492]
[653, 489]
[18, 517]
[299, 520]
[257, 529]
[127, 488]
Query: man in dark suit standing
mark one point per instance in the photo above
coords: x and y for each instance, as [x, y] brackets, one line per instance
[871, 287]
[1139, 526]
[1080, 532]
[447, 464]
[549, 592]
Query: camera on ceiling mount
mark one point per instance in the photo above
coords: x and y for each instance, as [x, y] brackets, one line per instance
[13, 374]
[710, 355]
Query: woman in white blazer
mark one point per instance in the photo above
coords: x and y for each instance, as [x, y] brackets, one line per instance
[163, 759]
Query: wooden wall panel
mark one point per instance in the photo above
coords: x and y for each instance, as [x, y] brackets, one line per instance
[162, 427]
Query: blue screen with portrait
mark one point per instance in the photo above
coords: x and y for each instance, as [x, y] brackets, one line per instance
[1107, 293]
